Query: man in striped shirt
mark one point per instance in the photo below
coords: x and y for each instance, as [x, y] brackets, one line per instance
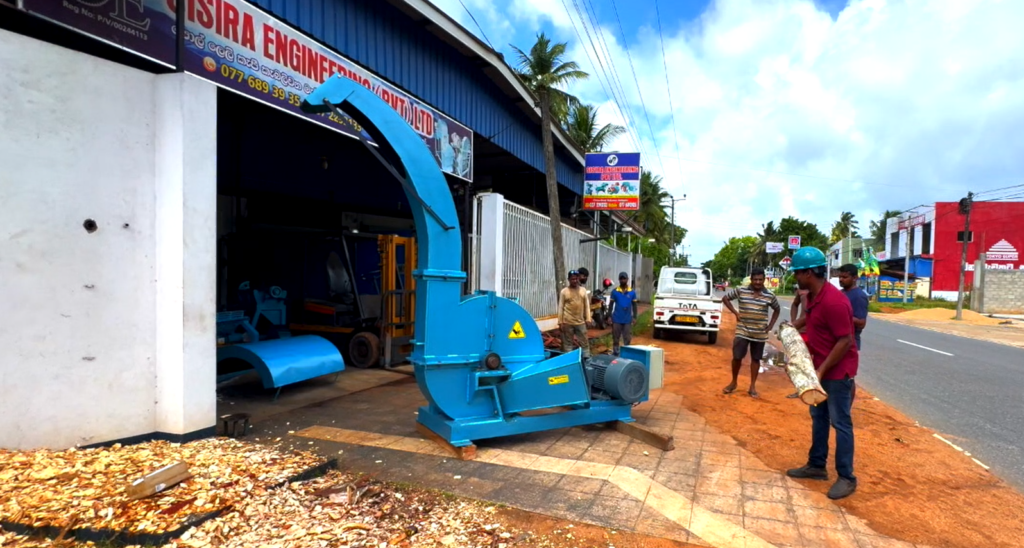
[752, 326]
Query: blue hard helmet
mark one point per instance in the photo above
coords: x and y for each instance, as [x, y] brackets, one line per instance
[806, 258]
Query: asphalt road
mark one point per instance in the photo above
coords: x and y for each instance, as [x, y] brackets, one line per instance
[968, 389]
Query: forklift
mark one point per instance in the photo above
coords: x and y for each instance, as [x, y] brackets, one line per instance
[376, 332]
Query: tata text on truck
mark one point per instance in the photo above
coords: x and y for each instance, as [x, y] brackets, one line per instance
[685, 302]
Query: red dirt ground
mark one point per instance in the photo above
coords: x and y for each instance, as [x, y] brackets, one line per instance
[912, 486]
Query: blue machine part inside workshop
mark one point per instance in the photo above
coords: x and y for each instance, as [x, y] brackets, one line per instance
[479, 359]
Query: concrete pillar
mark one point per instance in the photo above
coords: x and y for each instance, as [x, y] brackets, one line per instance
[186, 260]
[978, 285]
[492, 239]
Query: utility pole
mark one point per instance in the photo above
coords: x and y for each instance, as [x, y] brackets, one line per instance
[672, 253]
[906, 260]
[672, 246]
[965, 208]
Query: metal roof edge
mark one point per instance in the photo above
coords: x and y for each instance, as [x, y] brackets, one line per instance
[472, 46]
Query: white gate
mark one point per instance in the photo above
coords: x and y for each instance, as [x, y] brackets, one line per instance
[611, 262]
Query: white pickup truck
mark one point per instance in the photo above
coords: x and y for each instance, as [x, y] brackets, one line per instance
[685, 302]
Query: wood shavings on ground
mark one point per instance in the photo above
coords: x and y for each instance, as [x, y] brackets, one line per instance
[340, 510]
[85, 489]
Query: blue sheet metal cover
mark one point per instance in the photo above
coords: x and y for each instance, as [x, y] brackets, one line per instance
[281, 362]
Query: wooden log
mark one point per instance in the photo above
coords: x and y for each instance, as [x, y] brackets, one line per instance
[642, 433]
[159, 481]
[462, 453]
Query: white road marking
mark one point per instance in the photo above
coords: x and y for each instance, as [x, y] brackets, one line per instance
[979, 463]
[924, 347]
[951, 444]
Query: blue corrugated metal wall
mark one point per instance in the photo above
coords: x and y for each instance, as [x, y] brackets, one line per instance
[385, 41]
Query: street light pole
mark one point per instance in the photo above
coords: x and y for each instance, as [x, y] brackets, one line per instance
[672, 249]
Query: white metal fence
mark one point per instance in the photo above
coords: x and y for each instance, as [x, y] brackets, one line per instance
[644, 280]
[611, 262]
[529, 271]
[513, 243]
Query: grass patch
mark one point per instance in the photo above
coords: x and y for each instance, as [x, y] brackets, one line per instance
[919, 303]
[644, 322]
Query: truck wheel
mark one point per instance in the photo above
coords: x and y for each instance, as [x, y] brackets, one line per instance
[658, 333]
[712, 337]
[364, 350]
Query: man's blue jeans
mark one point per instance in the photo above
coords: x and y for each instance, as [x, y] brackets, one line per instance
[835, 412]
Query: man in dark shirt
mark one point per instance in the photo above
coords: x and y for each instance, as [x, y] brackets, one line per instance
[858, 299]
[830, 339]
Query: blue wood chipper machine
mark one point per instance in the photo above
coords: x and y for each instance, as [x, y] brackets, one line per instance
[479, 359]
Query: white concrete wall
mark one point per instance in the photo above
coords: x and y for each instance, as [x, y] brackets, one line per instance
[108, 334]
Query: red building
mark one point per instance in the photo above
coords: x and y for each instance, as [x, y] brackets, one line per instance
[998, 230]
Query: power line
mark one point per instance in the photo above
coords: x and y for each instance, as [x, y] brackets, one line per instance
[599, 66]
[999, 189]
[636, 80]
[616, 80]
[481, 29]
[612, 83]
[668, 86]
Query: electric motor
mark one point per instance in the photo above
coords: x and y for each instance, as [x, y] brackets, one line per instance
[619, 378]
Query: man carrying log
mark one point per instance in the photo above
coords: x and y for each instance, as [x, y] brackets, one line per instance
[828, 320]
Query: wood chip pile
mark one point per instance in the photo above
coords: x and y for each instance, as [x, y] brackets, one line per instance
[334, 510]
[343, 511]
[85, 489]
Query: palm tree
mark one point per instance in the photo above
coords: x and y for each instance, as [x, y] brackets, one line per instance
[878, 227]
[651, 214]
[768, 234]
[544, 70]
[846, 226]
[582, 128]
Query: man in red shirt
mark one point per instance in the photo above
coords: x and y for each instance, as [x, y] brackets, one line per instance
[829, 333]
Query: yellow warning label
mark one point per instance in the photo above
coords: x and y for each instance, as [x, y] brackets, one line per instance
[561, 379]
[517, 332]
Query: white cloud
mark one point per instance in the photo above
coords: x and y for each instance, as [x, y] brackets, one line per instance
[913, 101]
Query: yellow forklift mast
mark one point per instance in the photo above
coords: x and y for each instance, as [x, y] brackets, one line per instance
[375, 335]
[397, 297]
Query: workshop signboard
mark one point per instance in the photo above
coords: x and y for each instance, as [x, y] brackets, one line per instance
[773, 247]
[612, 181]
[239, 47]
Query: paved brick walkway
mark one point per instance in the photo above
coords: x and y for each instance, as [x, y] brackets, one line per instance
[708, 491]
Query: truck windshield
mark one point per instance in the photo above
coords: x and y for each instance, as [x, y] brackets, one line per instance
[683, 283]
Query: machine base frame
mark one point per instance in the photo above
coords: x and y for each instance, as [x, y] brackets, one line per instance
[462, 432]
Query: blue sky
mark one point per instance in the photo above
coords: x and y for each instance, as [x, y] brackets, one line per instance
[794, 107]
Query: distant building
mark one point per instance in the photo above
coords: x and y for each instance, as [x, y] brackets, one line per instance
[935, 253]
[846, 251]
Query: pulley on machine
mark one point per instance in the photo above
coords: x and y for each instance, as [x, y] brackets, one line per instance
[479, 359]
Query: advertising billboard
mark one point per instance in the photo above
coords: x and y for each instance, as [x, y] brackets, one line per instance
[237, 46]
[611, 181]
